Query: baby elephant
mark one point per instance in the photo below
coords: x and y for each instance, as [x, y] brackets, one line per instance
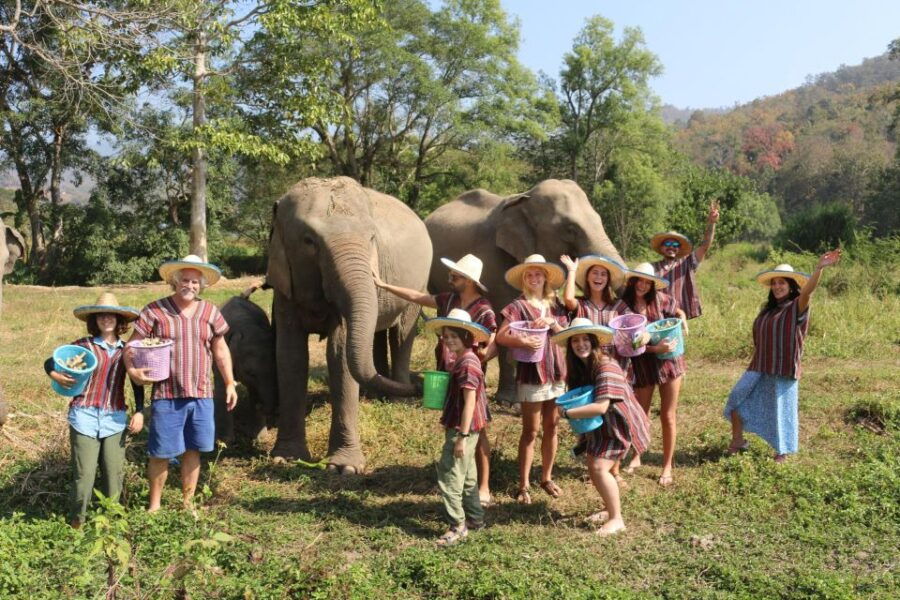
[251, 340]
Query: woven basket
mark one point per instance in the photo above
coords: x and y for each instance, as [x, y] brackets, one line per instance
[156, 358]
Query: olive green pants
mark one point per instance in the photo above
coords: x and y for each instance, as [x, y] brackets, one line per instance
[458, 481]
[87, 453]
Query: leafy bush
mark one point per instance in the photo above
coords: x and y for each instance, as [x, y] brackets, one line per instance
[819, 228]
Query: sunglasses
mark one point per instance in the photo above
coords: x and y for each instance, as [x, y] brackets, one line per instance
[671, 244]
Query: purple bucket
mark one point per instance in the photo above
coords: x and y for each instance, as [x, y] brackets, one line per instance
[527, 355]
[627, 328]
[156, 358]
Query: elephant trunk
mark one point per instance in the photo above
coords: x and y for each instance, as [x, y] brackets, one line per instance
[358, 303]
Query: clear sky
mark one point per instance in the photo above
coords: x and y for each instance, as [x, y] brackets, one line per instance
[719, 52]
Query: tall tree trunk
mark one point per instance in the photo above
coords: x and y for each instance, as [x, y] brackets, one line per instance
[198, 180]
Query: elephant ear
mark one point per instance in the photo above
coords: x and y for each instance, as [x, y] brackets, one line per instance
[515, 231]
[278, 271]
[16, 245]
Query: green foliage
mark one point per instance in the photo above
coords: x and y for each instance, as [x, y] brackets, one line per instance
[819, 228]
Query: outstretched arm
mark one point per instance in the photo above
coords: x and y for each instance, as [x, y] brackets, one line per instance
[569, 293]
[710, 233]
[827, 259]
[420, 298]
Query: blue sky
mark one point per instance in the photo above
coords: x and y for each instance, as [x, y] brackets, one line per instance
[717, 53]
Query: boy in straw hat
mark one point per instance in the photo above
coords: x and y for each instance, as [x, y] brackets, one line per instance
[764, 400]
[182, 419]
[466, 292]
[97, 417]
[680, 261]
[464, 416]
[537, 383]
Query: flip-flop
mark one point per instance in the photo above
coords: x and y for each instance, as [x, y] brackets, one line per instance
[523, 497]
[602, 533]
[486, 503]
[551, 488]
[665, 480]
[732, 449]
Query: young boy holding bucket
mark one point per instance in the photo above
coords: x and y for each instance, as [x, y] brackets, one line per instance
[97, 416]
[464, 416]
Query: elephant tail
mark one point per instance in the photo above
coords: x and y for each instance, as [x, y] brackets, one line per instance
[256, 286]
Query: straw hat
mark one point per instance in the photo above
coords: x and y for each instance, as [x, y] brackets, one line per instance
[586, 326]
[461, 319]
[783, 270]
[685, 248]
[616, 271]
[106, 303]
[191, 261]
[469, 266]
[645, 271]
[555, 274]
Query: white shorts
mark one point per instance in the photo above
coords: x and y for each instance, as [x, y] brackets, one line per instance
[539, 392]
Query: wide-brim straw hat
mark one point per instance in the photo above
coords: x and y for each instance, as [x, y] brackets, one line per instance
[106, 303]
[686, 245]
[210, 271]
[581, 325]
[469, 266]
[461, 319]
[783, 270]
[645, 271]
[616, 270]
[555, 274]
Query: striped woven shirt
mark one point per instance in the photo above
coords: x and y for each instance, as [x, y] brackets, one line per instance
[552, 368]
[602, 316]
[681, 274]
[481, 312]
[106, 388]
[625, 423]
[465, 374]
[191, 354]
[647, 368]
[778, 337]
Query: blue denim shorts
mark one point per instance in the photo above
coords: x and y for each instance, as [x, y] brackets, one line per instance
[181, 424]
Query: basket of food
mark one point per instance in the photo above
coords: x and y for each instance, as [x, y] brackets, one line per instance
[78, 363]
[629, 334]
[154, 354]
[667, 329]
[524, 329]
[581, 396]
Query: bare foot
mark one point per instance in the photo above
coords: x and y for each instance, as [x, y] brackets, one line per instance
[665, 479]
[633, 465]
[598, 517]
[153, 509]
[611, 527]
[486, 500]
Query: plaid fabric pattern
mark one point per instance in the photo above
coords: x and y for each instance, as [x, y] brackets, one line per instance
[466, 374]
[778, 337]
[191, 354]
[552, 368]
[106, 388]
[647, 368]
[682, 278]
[625, 424]
[481, 312]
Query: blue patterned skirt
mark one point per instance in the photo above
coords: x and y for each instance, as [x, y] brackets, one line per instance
[767, 405]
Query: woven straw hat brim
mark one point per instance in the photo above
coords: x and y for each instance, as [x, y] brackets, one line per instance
[130, 313]
[210, 272]
[452, 266]
[479, 332]
[604, 334]
[555, 274]
[616, 271]
[766, 277]
[658, 282]
[686, 245]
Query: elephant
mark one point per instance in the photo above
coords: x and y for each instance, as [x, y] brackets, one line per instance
[552, 218]
[251, 340]
[11, 250]
[327, 237]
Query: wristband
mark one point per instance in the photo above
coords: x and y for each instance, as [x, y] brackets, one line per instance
[565, 413]
[463, 435]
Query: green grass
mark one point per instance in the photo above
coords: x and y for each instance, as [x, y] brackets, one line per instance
[826, 524]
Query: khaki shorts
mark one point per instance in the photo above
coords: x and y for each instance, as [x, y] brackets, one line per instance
[534, 392]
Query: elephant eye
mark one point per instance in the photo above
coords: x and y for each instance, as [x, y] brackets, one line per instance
[309, 241]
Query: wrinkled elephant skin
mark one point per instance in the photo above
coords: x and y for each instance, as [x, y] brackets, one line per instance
[11, 250]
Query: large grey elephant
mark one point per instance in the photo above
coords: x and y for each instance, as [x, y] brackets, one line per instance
[251, 340]
[11, 250]
[552, 218]
[327, 236]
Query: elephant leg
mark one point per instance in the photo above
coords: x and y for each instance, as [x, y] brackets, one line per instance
[224, 419]
[380, 358]
[402, 336]
[248, 416]
[506, 391]
[344, 450]
[292, 358]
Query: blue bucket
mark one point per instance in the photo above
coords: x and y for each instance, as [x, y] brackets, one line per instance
[667, 328]
[580, 397]
[81, 377]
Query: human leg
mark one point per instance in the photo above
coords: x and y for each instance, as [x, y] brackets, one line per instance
[531, 420]
[84, 453]
[483, 465]
[470, 499]
[644, 397]
[199, 436]
[738, 442]
[190, 475]
[605, 482]
[165, 440]
[157, 472]
[669, 393]
[549, 446]
[451, 481]
[112, 464]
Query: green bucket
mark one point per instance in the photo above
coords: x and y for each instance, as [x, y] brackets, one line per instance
[434, 389]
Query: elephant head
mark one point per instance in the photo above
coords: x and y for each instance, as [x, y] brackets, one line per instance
[321, 251]
[553, 218]
[12, 249]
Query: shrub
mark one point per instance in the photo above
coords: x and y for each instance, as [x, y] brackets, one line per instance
[819, 228]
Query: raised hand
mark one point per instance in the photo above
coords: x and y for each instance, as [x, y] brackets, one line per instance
[829, 258]
[713, 216]
[570, 264]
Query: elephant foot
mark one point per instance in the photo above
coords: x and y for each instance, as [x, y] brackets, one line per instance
[346, 462]
[291, 451]
[507, 397]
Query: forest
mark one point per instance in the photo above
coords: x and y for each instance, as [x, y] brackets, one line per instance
[137, 131]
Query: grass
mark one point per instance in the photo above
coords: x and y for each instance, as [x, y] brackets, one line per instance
[826, 524]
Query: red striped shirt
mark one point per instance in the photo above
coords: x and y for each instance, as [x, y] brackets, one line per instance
[481, 312]
[778, 337]
[106, 388]
[552, 368]
[647, 368]
[625, 423]
[682, 277]
[465, 374]
[191, 353]
[602, 316]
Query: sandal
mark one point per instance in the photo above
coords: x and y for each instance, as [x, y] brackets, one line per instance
[780, 458]
[523, 497]
[665, 480]
[551, 488]
[487, 502]
[453, 535]
[732, 449]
